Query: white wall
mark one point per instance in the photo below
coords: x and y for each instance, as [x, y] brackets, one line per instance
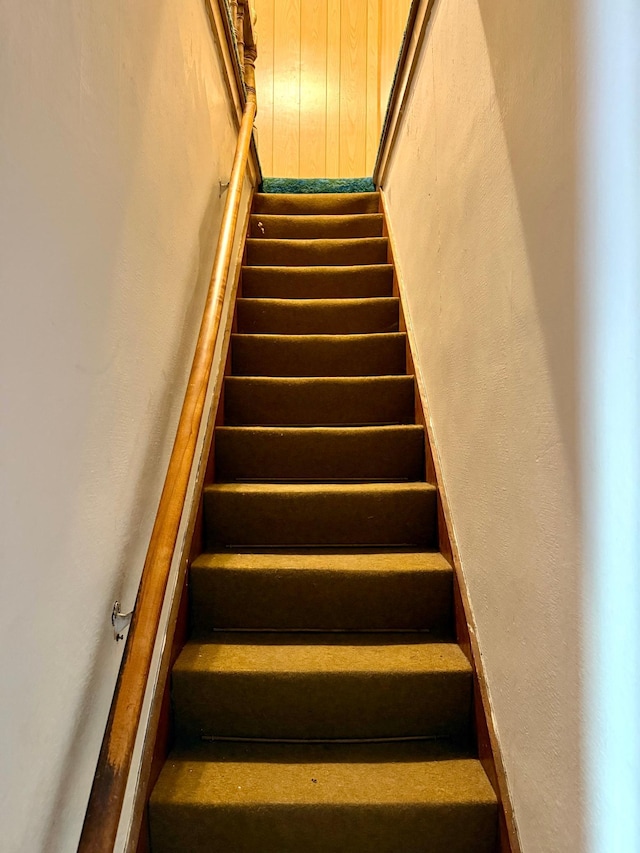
[610, 415]
[482, 197]
[114, 130]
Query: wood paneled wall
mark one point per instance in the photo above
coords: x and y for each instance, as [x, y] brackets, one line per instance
[323, 75]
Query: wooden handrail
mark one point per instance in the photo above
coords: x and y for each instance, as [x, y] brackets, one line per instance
[417, 23]
[107, 793]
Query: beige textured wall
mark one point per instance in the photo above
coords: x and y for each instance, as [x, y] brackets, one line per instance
[323, 77]
[482, 197]
[115, 131]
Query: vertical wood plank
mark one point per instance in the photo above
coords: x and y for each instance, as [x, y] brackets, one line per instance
[373, 85]
[286, 90]
[334, 19]
[323, 74]
[265, 10]
[313, 89]
[353, 83]
[386, 19]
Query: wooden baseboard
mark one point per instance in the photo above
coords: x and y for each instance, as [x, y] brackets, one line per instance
[488, 745]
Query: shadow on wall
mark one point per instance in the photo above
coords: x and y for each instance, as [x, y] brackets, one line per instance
[121, 126]
[544, 147]
[121, 109]
[541, 133]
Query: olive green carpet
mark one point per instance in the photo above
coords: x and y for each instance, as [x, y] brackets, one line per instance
[321, 704]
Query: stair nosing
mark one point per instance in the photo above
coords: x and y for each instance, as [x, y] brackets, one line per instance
[335, 488]
[289, 338]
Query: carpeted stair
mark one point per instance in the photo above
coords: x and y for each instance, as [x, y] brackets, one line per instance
[321, 704]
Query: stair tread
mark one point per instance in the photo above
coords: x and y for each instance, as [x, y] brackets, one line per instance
[295, 226]
[320, 270]
[328, 431]
[317, 217]
[319, 453]
[318, 316]
[245, 775]
[318, 381]
[319, 303]
[330, 242]
[329, 203]
[329, 560]
[314, 514]
[327, 338]
[319, 488]
[322, 251]
[295, 654]
[378, 354]
[388, 590]
[301, 400]
[355, 280]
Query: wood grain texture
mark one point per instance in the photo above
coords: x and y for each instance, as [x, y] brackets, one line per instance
[372, 100]
[286, 89]
[333, 74]
[353, 85]
[332, 51]
[313, 88]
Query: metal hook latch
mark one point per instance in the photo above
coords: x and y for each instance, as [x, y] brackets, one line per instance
[119, 620]
[223, 187]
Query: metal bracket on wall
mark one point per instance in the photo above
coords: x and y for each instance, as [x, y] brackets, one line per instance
[119, 620]
[223, 188]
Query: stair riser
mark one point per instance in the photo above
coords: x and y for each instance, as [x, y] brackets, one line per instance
[368, 250]
[316, 203]
[308, 454]
[355, 518]
[281, 828]
[271, 355]
[308, 317]
[320, 600]
[369, 401]
[322, 705]
[358, 282]
[316, 227]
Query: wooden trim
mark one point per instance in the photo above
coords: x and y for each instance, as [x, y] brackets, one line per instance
[488, 745]
[107, 794]
[232, 72]
[157, 733]
[417, 25]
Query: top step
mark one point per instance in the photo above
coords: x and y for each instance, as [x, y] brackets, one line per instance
[316, 203]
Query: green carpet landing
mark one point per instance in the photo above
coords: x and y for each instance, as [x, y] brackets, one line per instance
[321, 703]
[317, 185]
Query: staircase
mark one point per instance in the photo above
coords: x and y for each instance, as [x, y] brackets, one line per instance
[321, 704]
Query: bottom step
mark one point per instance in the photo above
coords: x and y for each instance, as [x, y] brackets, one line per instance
[323, 799]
